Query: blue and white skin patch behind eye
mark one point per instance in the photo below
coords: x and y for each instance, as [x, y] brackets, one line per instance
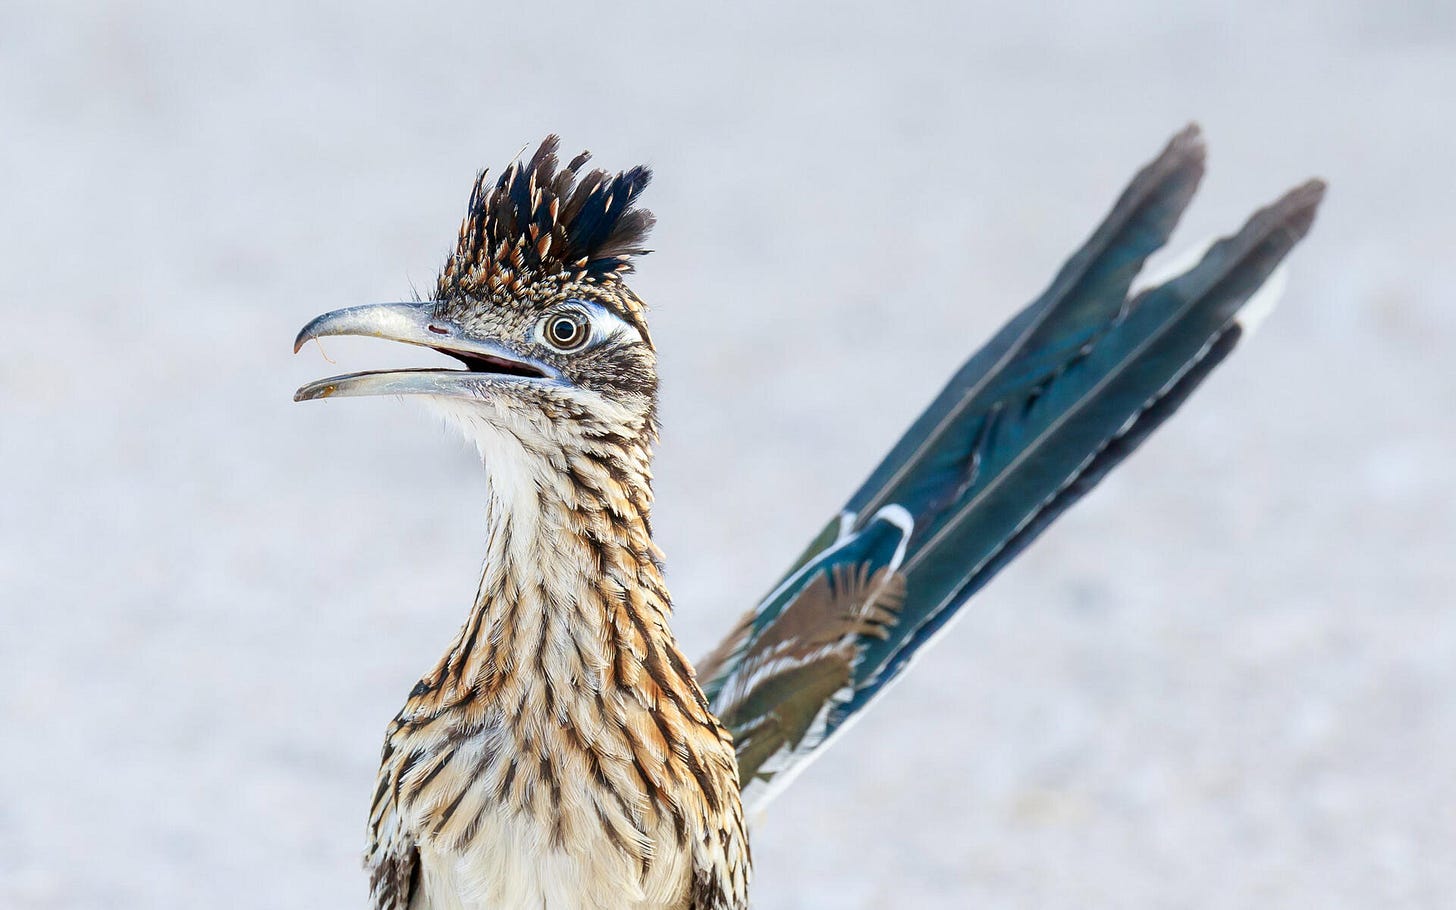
[605, 325]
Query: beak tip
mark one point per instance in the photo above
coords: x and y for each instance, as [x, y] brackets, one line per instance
[315, 390]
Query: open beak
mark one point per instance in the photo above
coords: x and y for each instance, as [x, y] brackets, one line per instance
[416, 323]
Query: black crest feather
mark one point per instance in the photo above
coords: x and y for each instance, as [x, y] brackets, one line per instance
[536, 221]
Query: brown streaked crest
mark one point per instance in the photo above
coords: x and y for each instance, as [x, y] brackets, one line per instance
[537, 222]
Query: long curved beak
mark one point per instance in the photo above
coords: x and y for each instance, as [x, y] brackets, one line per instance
[418, 324]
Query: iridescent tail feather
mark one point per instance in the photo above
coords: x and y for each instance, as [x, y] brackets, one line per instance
[1030, 423]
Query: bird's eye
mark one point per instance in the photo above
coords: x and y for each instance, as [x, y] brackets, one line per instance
[566, 331]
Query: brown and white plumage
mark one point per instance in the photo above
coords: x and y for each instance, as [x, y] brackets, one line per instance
[561, 753]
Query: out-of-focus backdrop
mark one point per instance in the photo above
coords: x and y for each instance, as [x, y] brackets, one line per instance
[1227, 679]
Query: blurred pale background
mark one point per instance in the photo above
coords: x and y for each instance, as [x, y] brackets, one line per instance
[1228, 679]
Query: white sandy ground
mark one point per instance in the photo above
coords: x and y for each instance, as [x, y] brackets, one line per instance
[1226, 680]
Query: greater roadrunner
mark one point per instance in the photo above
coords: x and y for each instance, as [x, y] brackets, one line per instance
[563, 753]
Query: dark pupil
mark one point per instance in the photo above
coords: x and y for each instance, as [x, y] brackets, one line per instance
[564, 331]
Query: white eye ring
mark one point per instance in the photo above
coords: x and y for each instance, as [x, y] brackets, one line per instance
[566, 331]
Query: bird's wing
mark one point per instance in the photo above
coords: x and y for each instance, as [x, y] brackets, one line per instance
[1064, 392]
[391, 858]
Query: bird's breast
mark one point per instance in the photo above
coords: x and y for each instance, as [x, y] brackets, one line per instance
[512, 864]
[532, 809]
[557, 828]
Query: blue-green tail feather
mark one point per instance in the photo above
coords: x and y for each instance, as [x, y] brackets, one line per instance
[1027, 426]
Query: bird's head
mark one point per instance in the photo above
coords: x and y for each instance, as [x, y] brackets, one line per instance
[532, 302]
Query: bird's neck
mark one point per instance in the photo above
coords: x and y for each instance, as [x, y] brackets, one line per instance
[572, 584]
[569, 692]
